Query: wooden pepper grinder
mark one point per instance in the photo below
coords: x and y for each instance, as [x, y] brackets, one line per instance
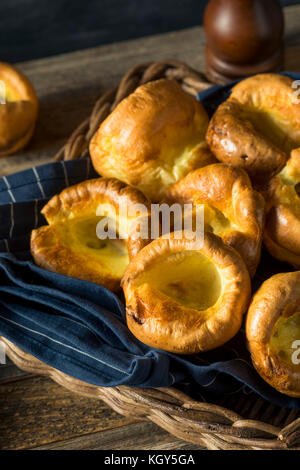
[244, 37]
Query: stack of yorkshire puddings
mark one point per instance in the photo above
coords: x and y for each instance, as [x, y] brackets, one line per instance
[184, 293]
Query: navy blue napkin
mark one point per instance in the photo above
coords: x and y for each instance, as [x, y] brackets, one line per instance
[79, 327]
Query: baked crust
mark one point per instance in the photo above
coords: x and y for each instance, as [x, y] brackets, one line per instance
[278, 297]
[19, 113]
[153, 138]
[229, 190]
[257, 127]
[55, 252]
[162, 322]
[282, 197]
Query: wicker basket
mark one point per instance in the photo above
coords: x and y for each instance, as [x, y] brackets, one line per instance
[237, 422]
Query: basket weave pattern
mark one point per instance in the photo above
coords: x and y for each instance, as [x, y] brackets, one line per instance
[234, 423]
[205, 424]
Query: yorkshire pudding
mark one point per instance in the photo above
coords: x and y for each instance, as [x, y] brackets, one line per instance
[186, 296]
[232, 209]
[70, 244]
[273, 332]
[18, 110]
[282, 232]
[153, 138]
[257, 127]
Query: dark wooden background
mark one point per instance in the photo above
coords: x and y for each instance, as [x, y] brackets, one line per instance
[39, 28]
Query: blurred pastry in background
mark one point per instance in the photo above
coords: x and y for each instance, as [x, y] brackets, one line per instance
[18, 110]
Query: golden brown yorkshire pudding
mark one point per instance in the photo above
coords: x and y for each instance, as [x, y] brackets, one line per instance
[273, 332]
[153, 138]
[186, 296]
[258, 126]
[232, 209]
[70, 244]
[18, 109]
[282, 232]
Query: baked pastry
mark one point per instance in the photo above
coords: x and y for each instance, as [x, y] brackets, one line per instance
[153, 138]
[257, 127]
[282, 232]
[273, 332]
[232, 209]
[186, 296]
[18, 111]
[70, 244]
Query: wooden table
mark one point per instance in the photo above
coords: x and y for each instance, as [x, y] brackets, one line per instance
[34, 411]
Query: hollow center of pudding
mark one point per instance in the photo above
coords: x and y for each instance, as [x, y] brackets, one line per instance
[81, 236]
[189, 278]
[215, 221]
[276, 129]
[285, 337]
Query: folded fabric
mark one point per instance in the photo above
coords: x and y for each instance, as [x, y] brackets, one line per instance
[79, 327]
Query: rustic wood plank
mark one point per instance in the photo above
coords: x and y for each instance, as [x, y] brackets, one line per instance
[37, 411]
[292, 59]
[68, 84]
[135, 436]
[10, 373]
[40, 414]
[49, 29]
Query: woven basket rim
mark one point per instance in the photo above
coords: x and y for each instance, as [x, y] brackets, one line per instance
[204, 424]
